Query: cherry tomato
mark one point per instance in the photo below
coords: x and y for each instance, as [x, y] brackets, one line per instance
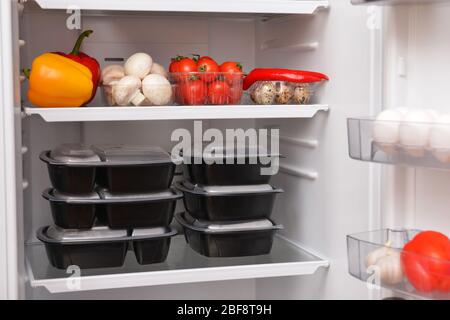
[425, 261]
[207, 65]
[174, 63]
[186, 65]
[218, 92]
[193, 92]
[235, 94]
[233, 68]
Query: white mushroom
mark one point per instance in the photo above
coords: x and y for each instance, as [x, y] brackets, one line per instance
[127, 91]
[158, 69]
[157, 89]
[112, 73]
[108, 93]
[139, 65]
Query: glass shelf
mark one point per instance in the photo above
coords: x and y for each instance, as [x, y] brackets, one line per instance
[183, 265]
[361, 245]
[395, 2]
[380, 141]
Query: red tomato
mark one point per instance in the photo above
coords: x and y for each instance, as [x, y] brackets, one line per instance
[425, 261]
[235, 94]
[206, 64]
[174, 63]
[218, 92]
[186, 65]
[193, 92]
[231, 67]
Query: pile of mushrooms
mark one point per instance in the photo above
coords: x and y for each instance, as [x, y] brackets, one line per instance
[139, 82]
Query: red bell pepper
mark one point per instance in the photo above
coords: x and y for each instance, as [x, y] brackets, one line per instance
[84, 59]
[298, 76]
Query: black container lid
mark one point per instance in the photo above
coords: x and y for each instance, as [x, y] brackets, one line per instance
[96, 233]
[79, 155]
[74, 153]
[236, 152]
[188, 221]
[226, 190]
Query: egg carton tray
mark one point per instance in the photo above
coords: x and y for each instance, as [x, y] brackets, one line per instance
[380, 141]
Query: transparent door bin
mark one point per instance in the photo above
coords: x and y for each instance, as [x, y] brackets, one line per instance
[406, 143]
[376, 257]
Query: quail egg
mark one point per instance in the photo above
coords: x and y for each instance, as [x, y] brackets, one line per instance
[302, 94]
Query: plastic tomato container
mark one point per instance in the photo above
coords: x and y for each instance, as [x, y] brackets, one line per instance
[282, 92]
[364, 251]
[206, 88]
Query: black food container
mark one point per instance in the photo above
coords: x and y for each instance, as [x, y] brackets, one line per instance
[98, 247]
[138, 210]
[76, 169]
[71, 168]
[232, 166]
[134, 169]
[228, 203]
[101, 247]
[152, 245]
[228, 239]
[72, 211]
[120, 211]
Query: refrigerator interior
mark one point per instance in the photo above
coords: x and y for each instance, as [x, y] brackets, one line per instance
[376, 58]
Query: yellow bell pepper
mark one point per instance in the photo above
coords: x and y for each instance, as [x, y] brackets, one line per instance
[57, 81]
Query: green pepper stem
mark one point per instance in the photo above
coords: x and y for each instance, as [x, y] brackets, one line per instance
[26, 73]
[76, 48]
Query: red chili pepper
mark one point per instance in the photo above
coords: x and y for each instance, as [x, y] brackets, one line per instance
[282, 75]
[84, 59]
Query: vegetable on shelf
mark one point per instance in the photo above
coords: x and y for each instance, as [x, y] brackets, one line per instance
[56, 81]
[387, 260]
[139, 82]
[64, 80]
[297, 76]
[426, 261]
[89, 62]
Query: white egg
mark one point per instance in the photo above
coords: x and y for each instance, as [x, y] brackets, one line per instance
[440, 138]
[414, 132]
[386, 129]
[402, 110]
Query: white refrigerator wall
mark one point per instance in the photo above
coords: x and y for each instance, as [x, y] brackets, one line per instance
[417, 51]
[343, 199]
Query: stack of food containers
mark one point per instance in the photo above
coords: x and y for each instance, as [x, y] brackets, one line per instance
[106, 199]
[228, 202]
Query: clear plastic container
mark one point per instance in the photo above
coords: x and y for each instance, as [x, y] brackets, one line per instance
[150, 95]
[281, 92]
[393, 142]
[377, 257]
[206, 88]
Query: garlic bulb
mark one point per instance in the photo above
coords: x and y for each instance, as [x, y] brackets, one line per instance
[388, 262]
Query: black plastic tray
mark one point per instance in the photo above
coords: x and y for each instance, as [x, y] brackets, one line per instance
[243, 169]
[81, 178]
[213, 243]
[139, 212]
[105, 253]
[228, 206]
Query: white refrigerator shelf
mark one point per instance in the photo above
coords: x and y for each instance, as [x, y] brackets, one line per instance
[175, 112]
[183, 265]
[229, 6]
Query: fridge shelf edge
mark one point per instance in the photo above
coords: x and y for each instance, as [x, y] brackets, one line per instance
[179, 275]
[85, 114]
